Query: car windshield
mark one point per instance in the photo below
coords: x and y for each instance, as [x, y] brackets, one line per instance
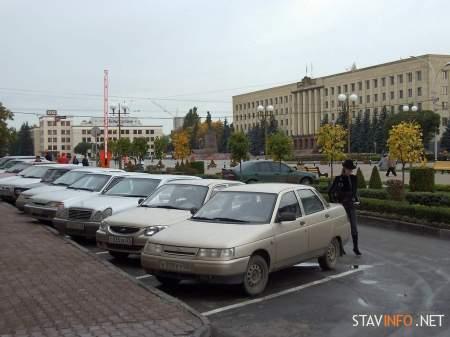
[91, 182]
[26, 170]
[69, 178]
[15, 166]
[238, 207]
[134, 187]
[38, 172]
[53, 174]
[177, 196]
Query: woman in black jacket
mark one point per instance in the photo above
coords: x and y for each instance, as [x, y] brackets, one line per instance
[344, 190]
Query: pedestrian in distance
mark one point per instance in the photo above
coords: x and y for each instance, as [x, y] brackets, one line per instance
[38, 159]
[75, 160]
[48, 156]
[344, 190]
[391, 164]
[85, 161]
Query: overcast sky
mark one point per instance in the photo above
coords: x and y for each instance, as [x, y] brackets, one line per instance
[183, 53]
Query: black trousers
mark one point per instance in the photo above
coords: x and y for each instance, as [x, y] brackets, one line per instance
[351, 213]
[389, 170]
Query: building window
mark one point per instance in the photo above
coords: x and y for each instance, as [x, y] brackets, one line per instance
[63, 123]
[326, 91]
[383, 95]
[63, 147]
[419, 106]
[359, 85]
[345, 88]
[332, 116]
[49, 140]
[368, 99]
[444, 90]
[332, 104]
[410, 92]
[326, 104]
[445, 75]
[410, 77]
[127, 132]
[375, 83]
[400, 94]
[139, 132]
[375, 98]
[332, 91]
[360, 99]
[367, 84]
[400, 108]
[353, 87]
[419, 91]
[392, 80]
[109, 132]
[49, 132]
[418, 75]
[285, 99]
[134, 132]
[281, 122]
[67, 123]
[152, 132]
[400, 78]
[88, 139]
[55, 140]
[287, 121]
[444, 121]
[339, 89]
[276, 100]
[83, 132]
[383, 81]
[271, 103]
[392, 95]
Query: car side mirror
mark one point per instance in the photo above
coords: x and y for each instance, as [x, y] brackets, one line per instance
[194, 210]
[286, 216]
[140, 201]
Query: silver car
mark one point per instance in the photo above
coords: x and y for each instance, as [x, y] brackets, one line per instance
[246, 232]
[83, 217]
[47, 206]
[127, 232]
[59, 184]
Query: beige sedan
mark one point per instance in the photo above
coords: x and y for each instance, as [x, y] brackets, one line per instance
[246, 232]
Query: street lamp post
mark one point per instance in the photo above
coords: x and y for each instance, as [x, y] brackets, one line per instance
[119, 108]
[345, 103]
[263, 113]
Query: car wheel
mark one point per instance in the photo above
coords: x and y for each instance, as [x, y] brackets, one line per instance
[256, 275]
[251, 181]
[328, 260]
[118, 255]
[306, 181]
[168, 281]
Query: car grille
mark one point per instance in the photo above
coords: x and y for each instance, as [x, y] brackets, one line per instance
[180, 251]
[124, 229]
[124, 247]
[79, 213]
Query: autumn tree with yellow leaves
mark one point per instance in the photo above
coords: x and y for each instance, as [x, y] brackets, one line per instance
[405, 144]
[180, 141]
[331, 141]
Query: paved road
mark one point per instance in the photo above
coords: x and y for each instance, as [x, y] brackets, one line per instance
[399, 273]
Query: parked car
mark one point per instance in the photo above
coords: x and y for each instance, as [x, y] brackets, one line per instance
[45, 206]
[59, 184]
[83, 217]
[127, 232]
[255, 171]
[6, 159]
[246, 232]
[13, 167]
[10, 189]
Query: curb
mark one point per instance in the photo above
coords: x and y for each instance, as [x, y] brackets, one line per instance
[203, 331]
[405, 226]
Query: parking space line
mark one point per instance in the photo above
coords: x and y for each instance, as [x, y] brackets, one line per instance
[143, 276]
[105, 252]
[286, 291]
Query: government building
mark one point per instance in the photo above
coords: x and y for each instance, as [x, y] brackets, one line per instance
[60, 134]
[299, 107]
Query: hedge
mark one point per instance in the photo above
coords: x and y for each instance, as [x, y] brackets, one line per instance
[361, 182]
[429, 199]
[442, 188]
[428, 213]
[373, 194]
[421, 179]
[375, 179]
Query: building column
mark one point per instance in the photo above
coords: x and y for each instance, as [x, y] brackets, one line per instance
[312, 111]
[318, 111]
[299, 113]
[303, 115]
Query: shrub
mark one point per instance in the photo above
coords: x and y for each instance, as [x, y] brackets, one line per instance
[429, 199]
[395, 190]
[375, 179]
[373, 193]
[198, 166]
[421, 179]
[360, 179]
[442, 188]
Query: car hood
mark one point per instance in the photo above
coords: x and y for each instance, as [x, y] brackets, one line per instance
[190, 233]
[10, 180]
[26, 182]
[7, 175]
[144, 217]
[43, 189]
[67, 196]
[101, 202]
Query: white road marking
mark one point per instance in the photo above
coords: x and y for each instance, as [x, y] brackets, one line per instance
[143, 276]
[286, 291]
[105, 252]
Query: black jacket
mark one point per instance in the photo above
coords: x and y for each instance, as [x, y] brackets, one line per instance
[344, 190]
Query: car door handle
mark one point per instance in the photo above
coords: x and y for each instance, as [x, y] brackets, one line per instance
[327, 215]
[302, 223]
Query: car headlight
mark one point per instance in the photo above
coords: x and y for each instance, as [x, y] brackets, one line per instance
[98, 216]
[154, 248]
[216, 253]
[107, 212]
[152, 230]
[103, 226]
[56, 204]
[17, 191]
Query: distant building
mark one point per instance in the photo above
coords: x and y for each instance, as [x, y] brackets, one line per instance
[300, 107]
[178, 122]
[53, 134]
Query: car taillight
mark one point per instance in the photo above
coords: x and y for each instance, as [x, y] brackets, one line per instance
[228, 174]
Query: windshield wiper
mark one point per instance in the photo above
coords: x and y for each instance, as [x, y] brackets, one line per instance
[230, 220]
[81, 188]
[59, 184]
[165, 206]
[201, 218]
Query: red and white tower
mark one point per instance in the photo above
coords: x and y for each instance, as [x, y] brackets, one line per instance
[105, 115]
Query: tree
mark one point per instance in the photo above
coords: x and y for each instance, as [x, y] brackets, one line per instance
[360, 179]
[375, 179]
[5, 134]
[21, 143]
[160, 147]
[191, 125]
[139, 148]
[324, 120]
[280, 146]
[82, 148]
[120, 148]
[331, 141]
[256, 137]
[223, 146]
[356, 136]
[180, 140]
[405, 144]
[380, 134]
[365, 131]
[239, 146]
[427, 120]
[208, 119]
[445, 139]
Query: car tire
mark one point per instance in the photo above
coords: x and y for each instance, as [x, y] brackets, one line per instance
[251, 181]
[118, 255]
[306, 181]
[328, 260]
[168, 281]
[256, 276]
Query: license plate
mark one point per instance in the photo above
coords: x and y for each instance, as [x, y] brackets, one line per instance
[174, 266]
[75, 225]
[121, 240]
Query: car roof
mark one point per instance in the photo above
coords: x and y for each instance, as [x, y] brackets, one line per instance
[267, 187]
[61, 166]
[204, 182]
[113, 173]
[93, 169]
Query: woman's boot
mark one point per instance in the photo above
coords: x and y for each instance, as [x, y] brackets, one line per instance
[355, 244]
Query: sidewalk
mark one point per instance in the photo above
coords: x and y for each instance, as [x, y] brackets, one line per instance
[49, 287]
